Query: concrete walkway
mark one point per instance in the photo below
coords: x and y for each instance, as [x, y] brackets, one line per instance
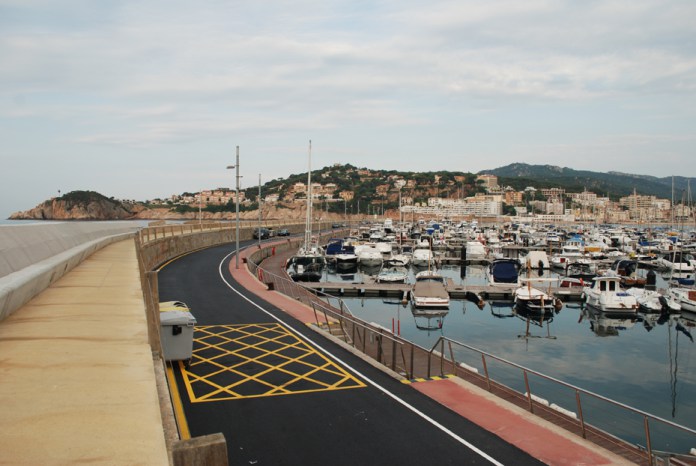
[78, 383]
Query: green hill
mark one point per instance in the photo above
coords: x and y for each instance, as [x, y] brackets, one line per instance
[611, 184]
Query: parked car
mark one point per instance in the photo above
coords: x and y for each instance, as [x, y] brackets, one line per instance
[283, 232]
[261, 233]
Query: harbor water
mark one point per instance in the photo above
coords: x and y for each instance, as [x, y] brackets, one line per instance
[645, 361]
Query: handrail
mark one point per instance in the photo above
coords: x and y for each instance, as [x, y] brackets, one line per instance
[565, 384]
[343, 314]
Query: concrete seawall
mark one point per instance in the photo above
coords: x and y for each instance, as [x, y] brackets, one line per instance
[33, 256]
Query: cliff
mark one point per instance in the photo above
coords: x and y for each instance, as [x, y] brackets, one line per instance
[79, 205]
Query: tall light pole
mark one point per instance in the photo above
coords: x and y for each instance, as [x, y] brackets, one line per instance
[236, 232]
[259, 203]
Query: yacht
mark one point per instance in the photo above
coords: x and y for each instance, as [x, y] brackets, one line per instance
[309, 262]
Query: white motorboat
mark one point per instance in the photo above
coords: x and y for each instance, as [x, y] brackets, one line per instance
[534, 300]
[392, 272]
[685, 297]
[429, 291]
[653, 301]
[369, 255]
[475, 250]
[606, 294]
[423, 257]
[676, 261]
[569, 254]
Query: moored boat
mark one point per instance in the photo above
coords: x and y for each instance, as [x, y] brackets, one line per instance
[606, 294]
[429, 291]
[503, 272]
[535, 300]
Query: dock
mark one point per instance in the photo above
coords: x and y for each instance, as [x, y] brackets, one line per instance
[403, 290]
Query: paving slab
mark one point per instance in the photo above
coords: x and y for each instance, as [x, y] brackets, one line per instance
[78, 382]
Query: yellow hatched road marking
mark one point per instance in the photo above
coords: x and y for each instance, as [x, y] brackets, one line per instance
[255, 360]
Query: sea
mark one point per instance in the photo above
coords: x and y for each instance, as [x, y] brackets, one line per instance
[646, 361]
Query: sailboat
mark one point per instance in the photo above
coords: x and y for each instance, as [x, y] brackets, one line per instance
[309, 262]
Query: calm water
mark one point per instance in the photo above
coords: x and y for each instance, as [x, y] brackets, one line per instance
[645, 362]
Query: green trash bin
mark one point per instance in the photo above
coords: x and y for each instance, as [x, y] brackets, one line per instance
[176, 335]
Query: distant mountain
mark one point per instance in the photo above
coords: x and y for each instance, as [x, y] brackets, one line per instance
[612, 184]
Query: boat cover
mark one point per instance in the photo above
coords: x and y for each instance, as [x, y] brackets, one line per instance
[504, 272]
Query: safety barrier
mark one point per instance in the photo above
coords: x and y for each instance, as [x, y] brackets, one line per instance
[602, 420]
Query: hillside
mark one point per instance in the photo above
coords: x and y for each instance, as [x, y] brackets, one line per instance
[374, 191]
[611, 184]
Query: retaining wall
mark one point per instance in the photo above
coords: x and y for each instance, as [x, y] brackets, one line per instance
[33, 256]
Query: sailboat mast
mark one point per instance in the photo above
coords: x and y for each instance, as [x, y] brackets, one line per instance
[308, 225]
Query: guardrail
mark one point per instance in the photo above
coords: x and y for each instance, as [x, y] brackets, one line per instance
[600, 419]
[613, 413]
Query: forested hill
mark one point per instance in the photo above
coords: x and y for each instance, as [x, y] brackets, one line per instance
[612, 184]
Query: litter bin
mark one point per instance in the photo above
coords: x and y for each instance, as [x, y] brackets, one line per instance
[176, 334]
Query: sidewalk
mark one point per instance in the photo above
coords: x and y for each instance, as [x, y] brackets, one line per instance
[78, 381]
[547, 442]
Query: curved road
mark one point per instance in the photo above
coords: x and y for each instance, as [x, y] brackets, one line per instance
[283, 394]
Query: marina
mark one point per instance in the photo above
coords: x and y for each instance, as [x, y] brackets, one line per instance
[633, 347]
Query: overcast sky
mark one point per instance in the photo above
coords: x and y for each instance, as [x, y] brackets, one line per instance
[147, 98]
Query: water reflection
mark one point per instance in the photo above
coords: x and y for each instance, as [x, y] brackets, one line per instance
[652, 366]
[605, 324]
[532, 319]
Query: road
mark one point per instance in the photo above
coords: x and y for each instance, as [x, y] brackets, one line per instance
[283, 394]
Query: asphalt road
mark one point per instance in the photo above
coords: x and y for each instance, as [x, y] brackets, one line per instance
[244, 382]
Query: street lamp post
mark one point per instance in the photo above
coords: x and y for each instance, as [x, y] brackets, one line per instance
[259, 203]
[236, 232]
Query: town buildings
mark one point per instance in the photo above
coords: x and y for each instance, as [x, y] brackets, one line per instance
[547, 204]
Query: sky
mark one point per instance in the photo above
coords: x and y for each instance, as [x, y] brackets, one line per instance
[148, 98]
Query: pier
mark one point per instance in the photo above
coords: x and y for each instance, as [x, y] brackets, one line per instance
[372, 289]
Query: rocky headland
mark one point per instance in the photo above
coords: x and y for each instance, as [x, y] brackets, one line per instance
[87, 205]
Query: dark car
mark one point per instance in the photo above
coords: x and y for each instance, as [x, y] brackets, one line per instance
[261, 233]
[283, 232]
[336, 225]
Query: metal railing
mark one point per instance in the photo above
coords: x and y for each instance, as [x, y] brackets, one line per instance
[536, 404]
[413, 362]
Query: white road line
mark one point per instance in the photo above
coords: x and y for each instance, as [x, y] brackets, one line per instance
[358, 373]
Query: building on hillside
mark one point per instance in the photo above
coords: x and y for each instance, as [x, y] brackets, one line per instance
[553, 194]
[512, 197]
[644, 208]
[271, 198]
[346, 195]
[490, 182]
